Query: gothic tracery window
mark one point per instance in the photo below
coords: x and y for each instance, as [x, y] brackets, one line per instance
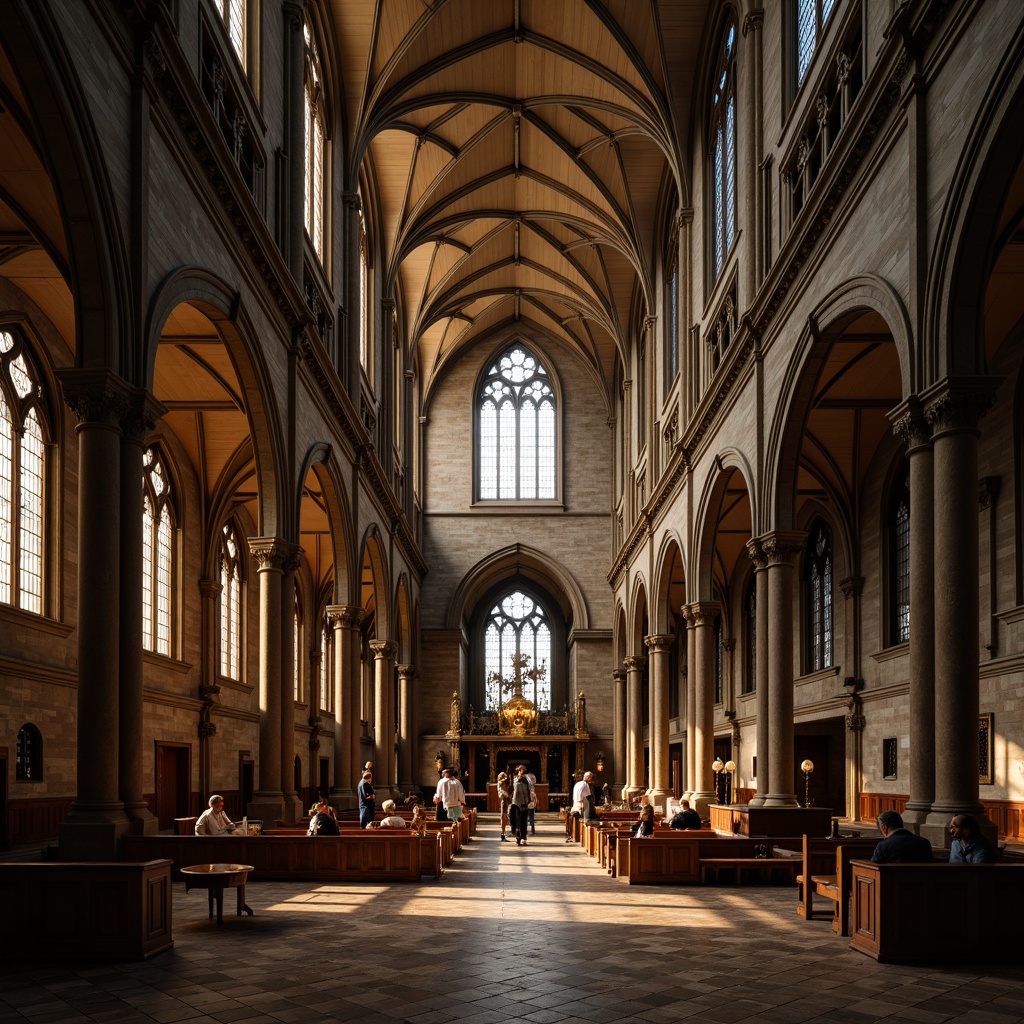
[230, 604]
[723, 151]
[899, 540]
[22, 477]
[517, 624]
[517, 430]
[315, 143]
[811, 18]
[157, 555]
[819, 598]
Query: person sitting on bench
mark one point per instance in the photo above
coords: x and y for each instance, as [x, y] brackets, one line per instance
[898, 845]
[686, 818]
[644, 824]
[969, 846]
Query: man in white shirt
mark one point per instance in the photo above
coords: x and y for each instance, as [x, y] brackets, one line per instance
[213, 821]
[582, 802]
[451, 794]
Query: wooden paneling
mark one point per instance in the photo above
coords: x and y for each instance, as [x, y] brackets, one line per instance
[105, 911]
[1008, 815]
[357, 855]
[35, 821]
[935, 913]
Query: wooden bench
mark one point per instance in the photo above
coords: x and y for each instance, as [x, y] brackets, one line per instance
[65, 910]
[361, 855]
[674, 858]
[938, 913]
[766, 868]
[825, 871]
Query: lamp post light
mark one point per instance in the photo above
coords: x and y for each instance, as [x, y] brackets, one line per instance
[599, 761]
[807, 766]
[730, 767]
[718, 767]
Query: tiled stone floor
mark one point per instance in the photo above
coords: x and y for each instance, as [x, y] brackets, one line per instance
[535, 934]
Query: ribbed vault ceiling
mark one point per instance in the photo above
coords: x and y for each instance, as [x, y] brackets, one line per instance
[519, 151]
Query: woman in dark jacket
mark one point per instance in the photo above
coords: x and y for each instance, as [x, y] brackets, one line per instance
[644, 824]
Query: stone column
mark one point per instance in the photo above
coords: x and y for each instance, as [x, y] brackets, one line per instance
[406, 761]
[757, 554]
[384, 652]
[142, 414]
[781, 550]
[634, 726]
[295, 108]
[269, 553]
[354, 645]
[852, 588]
[703, 794]
[689, 782]
[954, 408]
[293, 806]
[343, 623]
[619, 729]
[912, 428]
[209, 596]
[659, 645]
[349, 370]
[96, 820]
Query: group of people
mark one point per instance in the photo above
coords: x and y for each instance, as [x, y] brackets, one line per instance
[517, 797]
[901, 846]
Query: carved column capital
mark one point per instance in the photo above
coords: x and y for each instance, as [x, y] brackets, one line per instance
[659, 643]
[619, 675]
[910, 425]
[269, 553]
[852, 586]
[957, 404]
[143, 410]
[634, 662]
[210, 589]
[345, 616]
[988, 491]
[95, 396]
[406, 671]
[755, 551]
[753, 22]
[782, 547]
[704, 612]
[384, 648]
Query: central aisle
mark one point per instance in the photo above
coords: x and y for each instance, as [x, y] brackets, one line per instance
[536, 933]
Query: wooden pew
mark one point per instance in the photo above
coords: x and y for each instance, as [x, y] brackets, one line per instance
[825, 872]
[382, 855]
[938, 913]
[671, 857]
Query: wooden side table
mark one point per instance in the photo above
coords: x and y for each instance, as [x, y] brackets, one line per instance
[215, 878]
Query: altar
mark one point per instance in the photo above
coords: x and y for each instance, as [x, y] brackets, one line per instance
[552, 744]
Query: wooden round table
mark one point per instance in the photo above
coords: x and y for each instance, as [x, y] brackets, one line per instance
[216, 878]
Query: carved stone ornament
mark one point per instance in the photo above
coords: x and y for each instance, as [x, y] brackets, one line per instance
[842, 67]
[757, 554]
[803, 152]
[781, 547]
[855, 723]
[95, 396]
[634, 661]
[659, 643]
[959, 408]
[347, 616]
[207, 730]
[913, 430]
[141, 415]
[703, 612]
[821, 110]
[384, 648]
[269, 553]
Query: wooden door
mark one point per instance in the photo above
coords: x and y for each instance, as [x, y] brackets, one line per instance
[173, 783]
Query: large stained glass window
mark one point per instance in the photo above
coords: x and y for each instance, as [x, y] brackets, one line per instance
[811, 17]
[899, 539]
[723, 151]
[517, 429]
[819, 598]
[157, 555]
[22, 478]
[230, 604]
[517, 624]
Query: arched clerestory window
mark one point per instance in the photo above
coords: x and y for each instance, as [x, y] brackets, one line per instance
[157, 554]
[722, 150]
[517, 430]
[22, 477]
[818, 577]
[899, 557]
[29, 758]
[316, 143]
[234, 14]
[230, 604]
[809, 21]
[517, 624]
